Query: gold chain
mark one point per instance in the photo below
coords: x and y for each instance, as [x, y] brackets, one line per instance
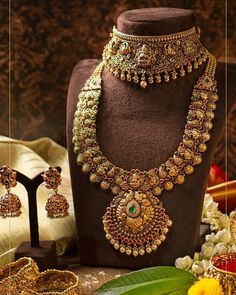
[135, 223]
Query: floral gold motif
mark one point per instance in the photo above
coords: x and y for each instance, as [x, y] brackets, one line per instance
[135, 222]
[169, 50]
[148, 59]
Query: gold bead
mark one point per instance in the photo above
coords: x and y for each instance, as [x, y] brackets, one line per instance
[135, 253]
[94, 178]
[187, 155]
[104, 184]
[112, 241]
[208, 125]
[128, 252]
[189, 143]
[97, 160]
[204, 95]
[214, 96]
[206, 136]
[169, 222]
[115, 190]
[180, 179]
[165, 230]
[158, 242]
[162, 172]
[162, 237]
[195, 134]
[86, 168]
[143, 84]
[188, 169]
[154, 247]
[101, 170]
[157, 191]
[108, 236]
[141, 252]
[80, 159]
[210, 115]
[168, 185]
[211, 106]
[202, 147]
[148, 250]
[158, 78]
[122, 249]
[197, 160]
[116, 246]
[178, 160]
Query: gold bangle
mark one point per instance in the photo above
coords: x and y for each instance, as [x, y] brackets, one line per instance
[55, 282]
[18, 276]
[220, 270]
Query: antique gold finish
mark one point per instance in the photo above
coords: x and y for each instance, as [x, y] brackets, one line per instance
[55, 282]
[18, 276]
[146, 59]
[57, 205]
[10, 203]
[135, 223]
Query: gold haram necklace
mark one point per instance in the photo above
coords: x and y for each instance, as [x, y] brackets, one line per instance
[135, 222]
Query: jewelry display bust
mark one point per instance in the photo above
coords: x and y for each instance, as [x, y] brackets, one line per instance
[139, 129]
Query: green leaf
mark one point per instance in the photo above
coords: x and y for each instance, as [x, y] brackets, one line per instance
[159, 287]
[155, 277]
[182, 291]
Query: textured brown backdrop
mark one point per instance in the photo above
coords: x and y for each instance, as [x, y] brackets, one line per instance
[49, 37]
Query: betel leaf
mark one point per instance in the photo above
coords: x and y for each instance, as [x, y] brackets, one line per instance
[145, 280]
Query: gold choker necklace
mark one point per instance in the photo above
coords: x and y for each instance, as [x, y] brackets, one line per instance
[135, 222]
[145, 59]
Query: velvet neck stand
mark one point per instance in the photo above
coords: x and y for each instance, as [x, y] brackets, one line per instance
[141, 128]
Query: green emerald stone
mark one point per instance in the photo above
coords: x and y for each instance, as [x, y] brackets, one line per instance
[193, 98]
[132, 209]
[207, 80]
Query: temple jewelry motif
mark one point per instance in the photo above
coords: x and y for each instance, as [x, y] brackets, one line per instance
[149, 59]
[136, 223]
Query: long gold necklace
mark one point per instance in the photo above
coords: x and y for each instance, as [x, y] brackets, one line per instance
[135, 223]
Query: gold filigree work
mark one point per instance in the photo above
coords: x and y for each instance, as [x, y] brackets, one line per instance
[135, 222]
[145, 59]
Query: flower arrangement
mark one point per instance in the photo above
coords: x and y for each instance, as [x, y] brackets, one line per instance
[218, 242]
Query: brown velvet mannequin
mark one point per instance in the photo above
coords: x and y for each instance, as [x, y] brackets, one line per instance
[141, 128]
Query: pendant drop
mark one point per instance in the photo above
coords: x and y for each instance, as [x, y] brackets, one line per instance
[136, 223]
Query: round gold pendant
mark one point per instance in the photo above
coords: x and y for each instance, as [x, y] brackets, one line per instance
[135, 223]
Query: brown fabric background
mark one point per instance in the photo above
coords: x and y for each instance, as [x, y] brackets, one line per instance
[50, 37]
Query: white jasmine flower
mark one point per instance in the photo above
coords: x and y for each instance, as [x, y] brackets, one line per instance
[210, 238]
[198, 268]
[209, 204]
[220, 248]
[196, 256]
[232, 249]
[208, 249]
[223, 236]
[184, 263]
[205, 264]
